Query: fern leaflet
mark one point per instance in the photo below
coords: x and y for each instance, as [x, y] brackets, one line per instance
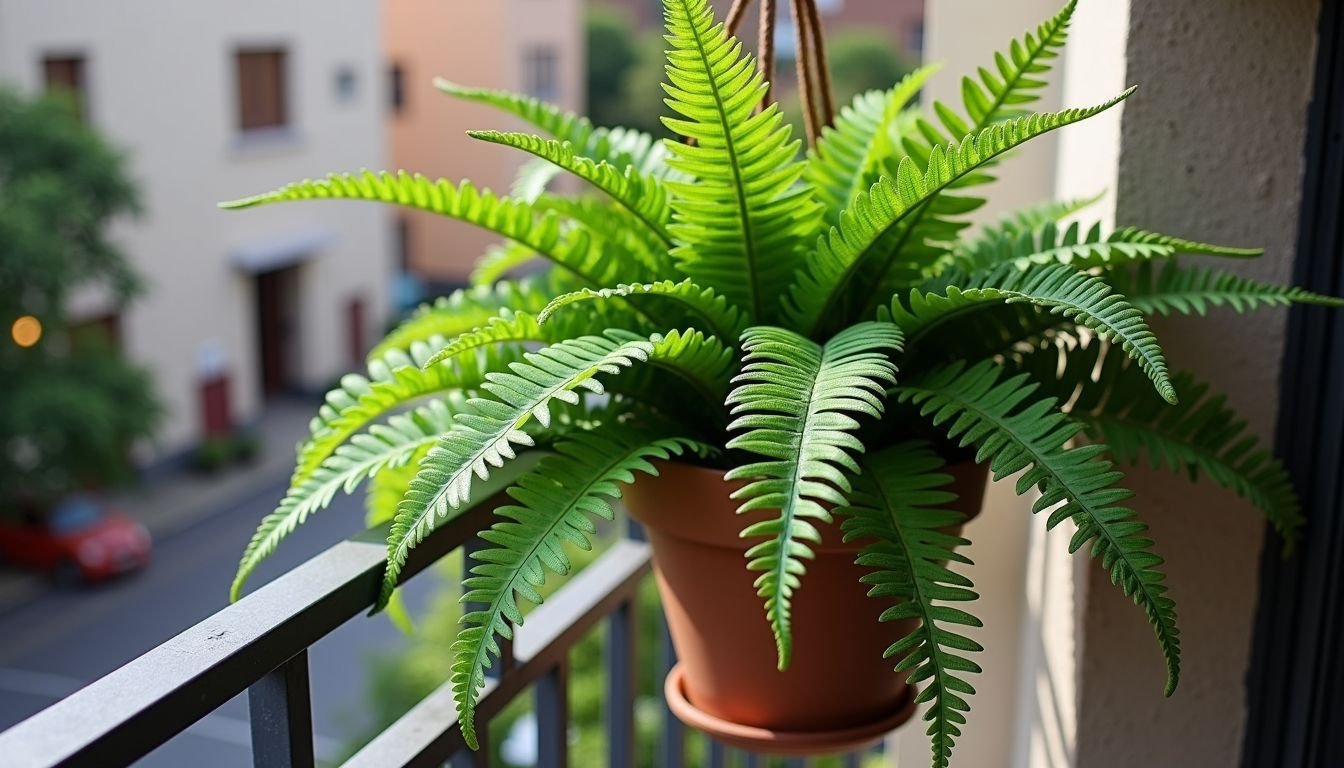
[896, 504]
[555, 501]
[797, 403]
[1017, 432]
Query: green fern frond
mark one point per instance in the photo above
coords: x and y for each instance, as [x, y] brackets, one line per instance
[899, 505]
[1192, 290]
[392, 382]
[487, 437]
[615, 226]
[468, 308]
[1017, 432]
[863, 254]
[382, 445]
[1083, 298]
[570, 248]
[509, 327]
[797, 403]
[1202, 435]
[1048, 244]
[739, 224]
[555, 503]
[498, 261]
[848, 156]
[641, 194]
[621, 147]
[702, 306]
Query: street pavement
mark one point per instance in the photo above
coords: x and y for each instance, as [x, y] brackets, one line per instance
[60, 640]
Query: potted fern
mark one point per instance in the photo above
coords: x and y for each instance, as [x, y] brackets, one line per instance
[811, 340]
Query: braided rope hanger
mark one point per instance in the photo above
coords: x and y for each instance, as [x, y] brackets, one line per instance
[816, 97]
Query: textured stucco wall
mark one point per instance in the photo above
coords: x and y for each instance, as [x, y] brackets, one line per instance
[1211, 148]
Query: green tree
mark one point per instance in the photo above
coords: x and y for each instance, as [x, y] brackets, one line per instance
[611, 55]
[72, 407]
[864, 61]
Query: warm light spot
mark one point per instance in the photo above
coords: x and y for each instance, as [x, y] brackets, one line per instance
[26, 331]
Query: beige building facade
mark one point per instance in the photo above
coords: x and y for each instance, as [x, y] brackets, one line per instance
[525, 46]
[210, 102]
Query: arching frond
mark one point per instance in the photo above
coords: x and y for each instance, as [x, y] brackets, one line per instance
[858, 259]
[797, 402]
[1192, 290]
[1048, 244]
[1018, 432]
[382, 445]
[555, 503]
[997, 96]
[702, 307]
[643, 195]
[485, 439]
[1200, 436]
[848, 156]
[621, 147]
[570, 248]
[393, 382]
[899, 506]
[740, 222]
[1081, 297]
[468, 308]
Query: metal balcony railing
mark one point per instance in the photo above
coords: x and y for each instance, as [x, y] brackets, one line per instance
[260, 645]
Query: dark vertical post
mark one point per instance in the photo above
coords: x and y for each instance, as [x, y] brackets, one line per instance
[552, 705]
[674, 735]
[753, 760]
[620, 709]
[717, 755]
[281, 712]
[478, 759]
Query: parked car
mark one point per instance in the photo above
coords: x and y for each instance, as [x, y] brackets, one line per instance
[78, 540]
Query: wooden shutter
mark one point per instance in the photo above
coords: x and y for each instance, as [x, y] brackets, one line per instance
[261, 89]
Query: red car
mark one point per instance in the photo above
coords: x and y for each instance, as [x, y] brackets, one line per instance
[76, 541]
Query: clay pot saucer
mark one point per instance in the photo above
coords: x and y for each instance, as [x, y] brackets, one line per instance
[771, 742]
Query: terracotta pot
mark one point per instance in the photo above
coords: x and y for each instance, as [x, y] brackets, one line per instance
[838, 692]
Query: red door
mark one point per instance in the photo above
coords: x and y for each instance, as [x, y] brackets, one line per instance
[277, 321]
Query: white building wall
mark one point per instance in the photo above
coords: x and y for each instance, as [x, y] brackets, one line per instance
[160, 82]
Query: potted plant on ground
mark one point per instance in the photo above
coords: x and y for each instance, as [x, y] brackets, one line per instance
[809, 341]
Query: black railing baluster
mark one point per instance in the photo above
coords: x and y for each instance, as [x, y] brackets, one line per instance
[752, 760]
[280, 708]
[853, 760]
[552, 708]
[717, 755]
[479, 758]
[620, 705]
[674, 733]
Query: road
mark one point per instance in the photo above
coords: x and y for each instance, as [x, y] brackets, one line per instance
[65, 639]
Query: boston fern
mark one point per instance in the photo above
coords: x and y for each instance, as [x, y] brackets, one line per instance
[818, 323]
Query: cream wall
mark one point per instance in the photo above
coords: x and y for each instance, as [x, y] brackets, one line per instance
[160, 83]
[475, 44]
[1210, 148]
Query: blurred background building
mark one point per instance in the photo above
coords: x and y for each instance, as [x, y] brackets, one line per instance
[212, 101]
[522, 46]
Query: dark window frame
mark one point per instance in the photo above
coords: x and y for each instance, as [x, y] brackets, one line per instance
[1296, 681]
[77, 87]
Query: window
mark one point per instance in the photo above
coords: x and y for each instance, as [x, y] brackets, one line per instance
[396, 87]
[66, 74]
[347, 84]
[261, 89]
[403, 244]
[539, 65]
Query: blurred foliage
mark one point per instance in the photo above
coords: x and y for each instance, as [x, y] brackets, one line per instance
[72, 407]
[624, 73]
[864, 60]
